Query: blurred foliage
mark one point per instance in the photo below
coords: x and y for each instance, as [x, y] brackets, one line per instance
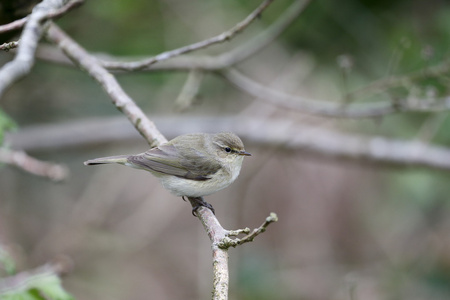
[34, 285]
[7, 263]
[40, 287]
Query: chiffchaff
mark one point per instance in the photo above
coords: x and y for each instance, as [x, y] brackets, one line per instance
[191, 165]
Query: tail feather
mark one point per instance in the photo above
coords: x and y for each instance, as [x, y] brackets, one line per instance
[118, 159]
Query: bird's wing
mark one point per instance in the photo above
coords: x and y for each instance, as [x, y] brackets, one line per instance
[166, 159]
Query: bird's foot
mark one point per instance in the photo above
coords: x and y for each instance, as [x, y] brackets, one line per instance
[198, 202]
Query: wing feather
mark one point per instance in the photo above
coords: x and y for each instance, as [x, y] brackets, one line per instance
[166, 159]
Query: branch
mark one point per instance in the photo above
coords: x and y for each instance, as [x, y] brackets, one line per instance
[54, 14]
[225, 36]
[211, 63]
[331, 109]
[24, 59]
[262, 40]
[281, 133]
[220, 242]
[120, 99]
[31, 165]
[227, 242]
[8, 46]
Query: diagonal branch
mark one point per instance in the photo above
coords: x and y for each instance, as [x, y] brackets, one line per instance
[17, 24]
[32, 32]
[204, 62]
[24, 59]
[220, 61]
[223, 37]
[121, 100]
[262, 40]
[31, 165]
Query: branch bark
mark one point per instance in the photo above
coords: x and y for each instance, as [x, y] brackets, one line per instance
[147, 129]
[283, 134]
[32, 165]
[119, 97]
[202, 62]
[53, 14]
[221, 242]
[24, 59]
[223, 37]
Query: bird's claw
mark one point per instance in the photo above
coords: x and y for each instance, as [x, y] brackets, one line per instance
[198, 202]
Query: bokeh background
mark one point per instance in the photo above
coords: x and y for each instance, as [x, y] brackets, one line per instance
[346, 230]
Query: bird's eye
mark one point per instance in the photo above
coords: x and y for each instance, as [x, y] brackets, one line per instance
[228, 149]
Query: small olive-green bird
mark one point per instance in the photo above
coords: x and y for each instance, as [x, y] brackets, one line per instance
[191, 165]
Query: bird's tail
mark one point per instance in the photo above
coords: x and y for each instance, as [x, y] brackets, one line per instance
[118, 159]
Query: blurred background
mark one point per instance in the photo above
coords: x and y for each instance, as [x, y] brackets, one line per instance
[346, 230]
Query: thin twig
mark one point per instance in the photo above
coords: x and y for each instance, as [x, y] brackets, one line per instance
[32, 165]
[8, 46]
[24, 59]
[323, 108]
[225, 36]
[120, 99]
[228, 242]
[17, 24]
[262, 40]
[186, 63]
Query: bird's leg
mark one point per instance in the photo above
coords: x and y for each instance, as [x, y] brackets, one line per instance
[197, 202]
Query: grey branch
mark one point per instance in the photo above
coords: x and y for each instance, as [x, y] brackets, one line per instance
[219, 238]
[24, 59]
[109, 83]
[53, 14]
[204, 62]
[331, 109]
[283, 134]
[262, 40]
[10, 45]
[32, 165]
[228, 242]
[225, 36]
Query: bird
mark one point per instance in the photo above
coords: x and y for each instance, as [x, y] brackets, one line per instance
[190, 165]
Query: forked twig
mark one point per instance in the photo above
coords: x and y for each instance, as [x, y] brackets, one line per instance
[220, 242]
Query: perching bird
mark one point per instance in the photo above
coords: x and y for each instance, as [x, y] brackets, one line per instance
[191, 165]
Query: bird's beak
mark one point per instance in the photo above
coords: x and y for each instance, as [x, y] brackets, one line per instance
[244, 153]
